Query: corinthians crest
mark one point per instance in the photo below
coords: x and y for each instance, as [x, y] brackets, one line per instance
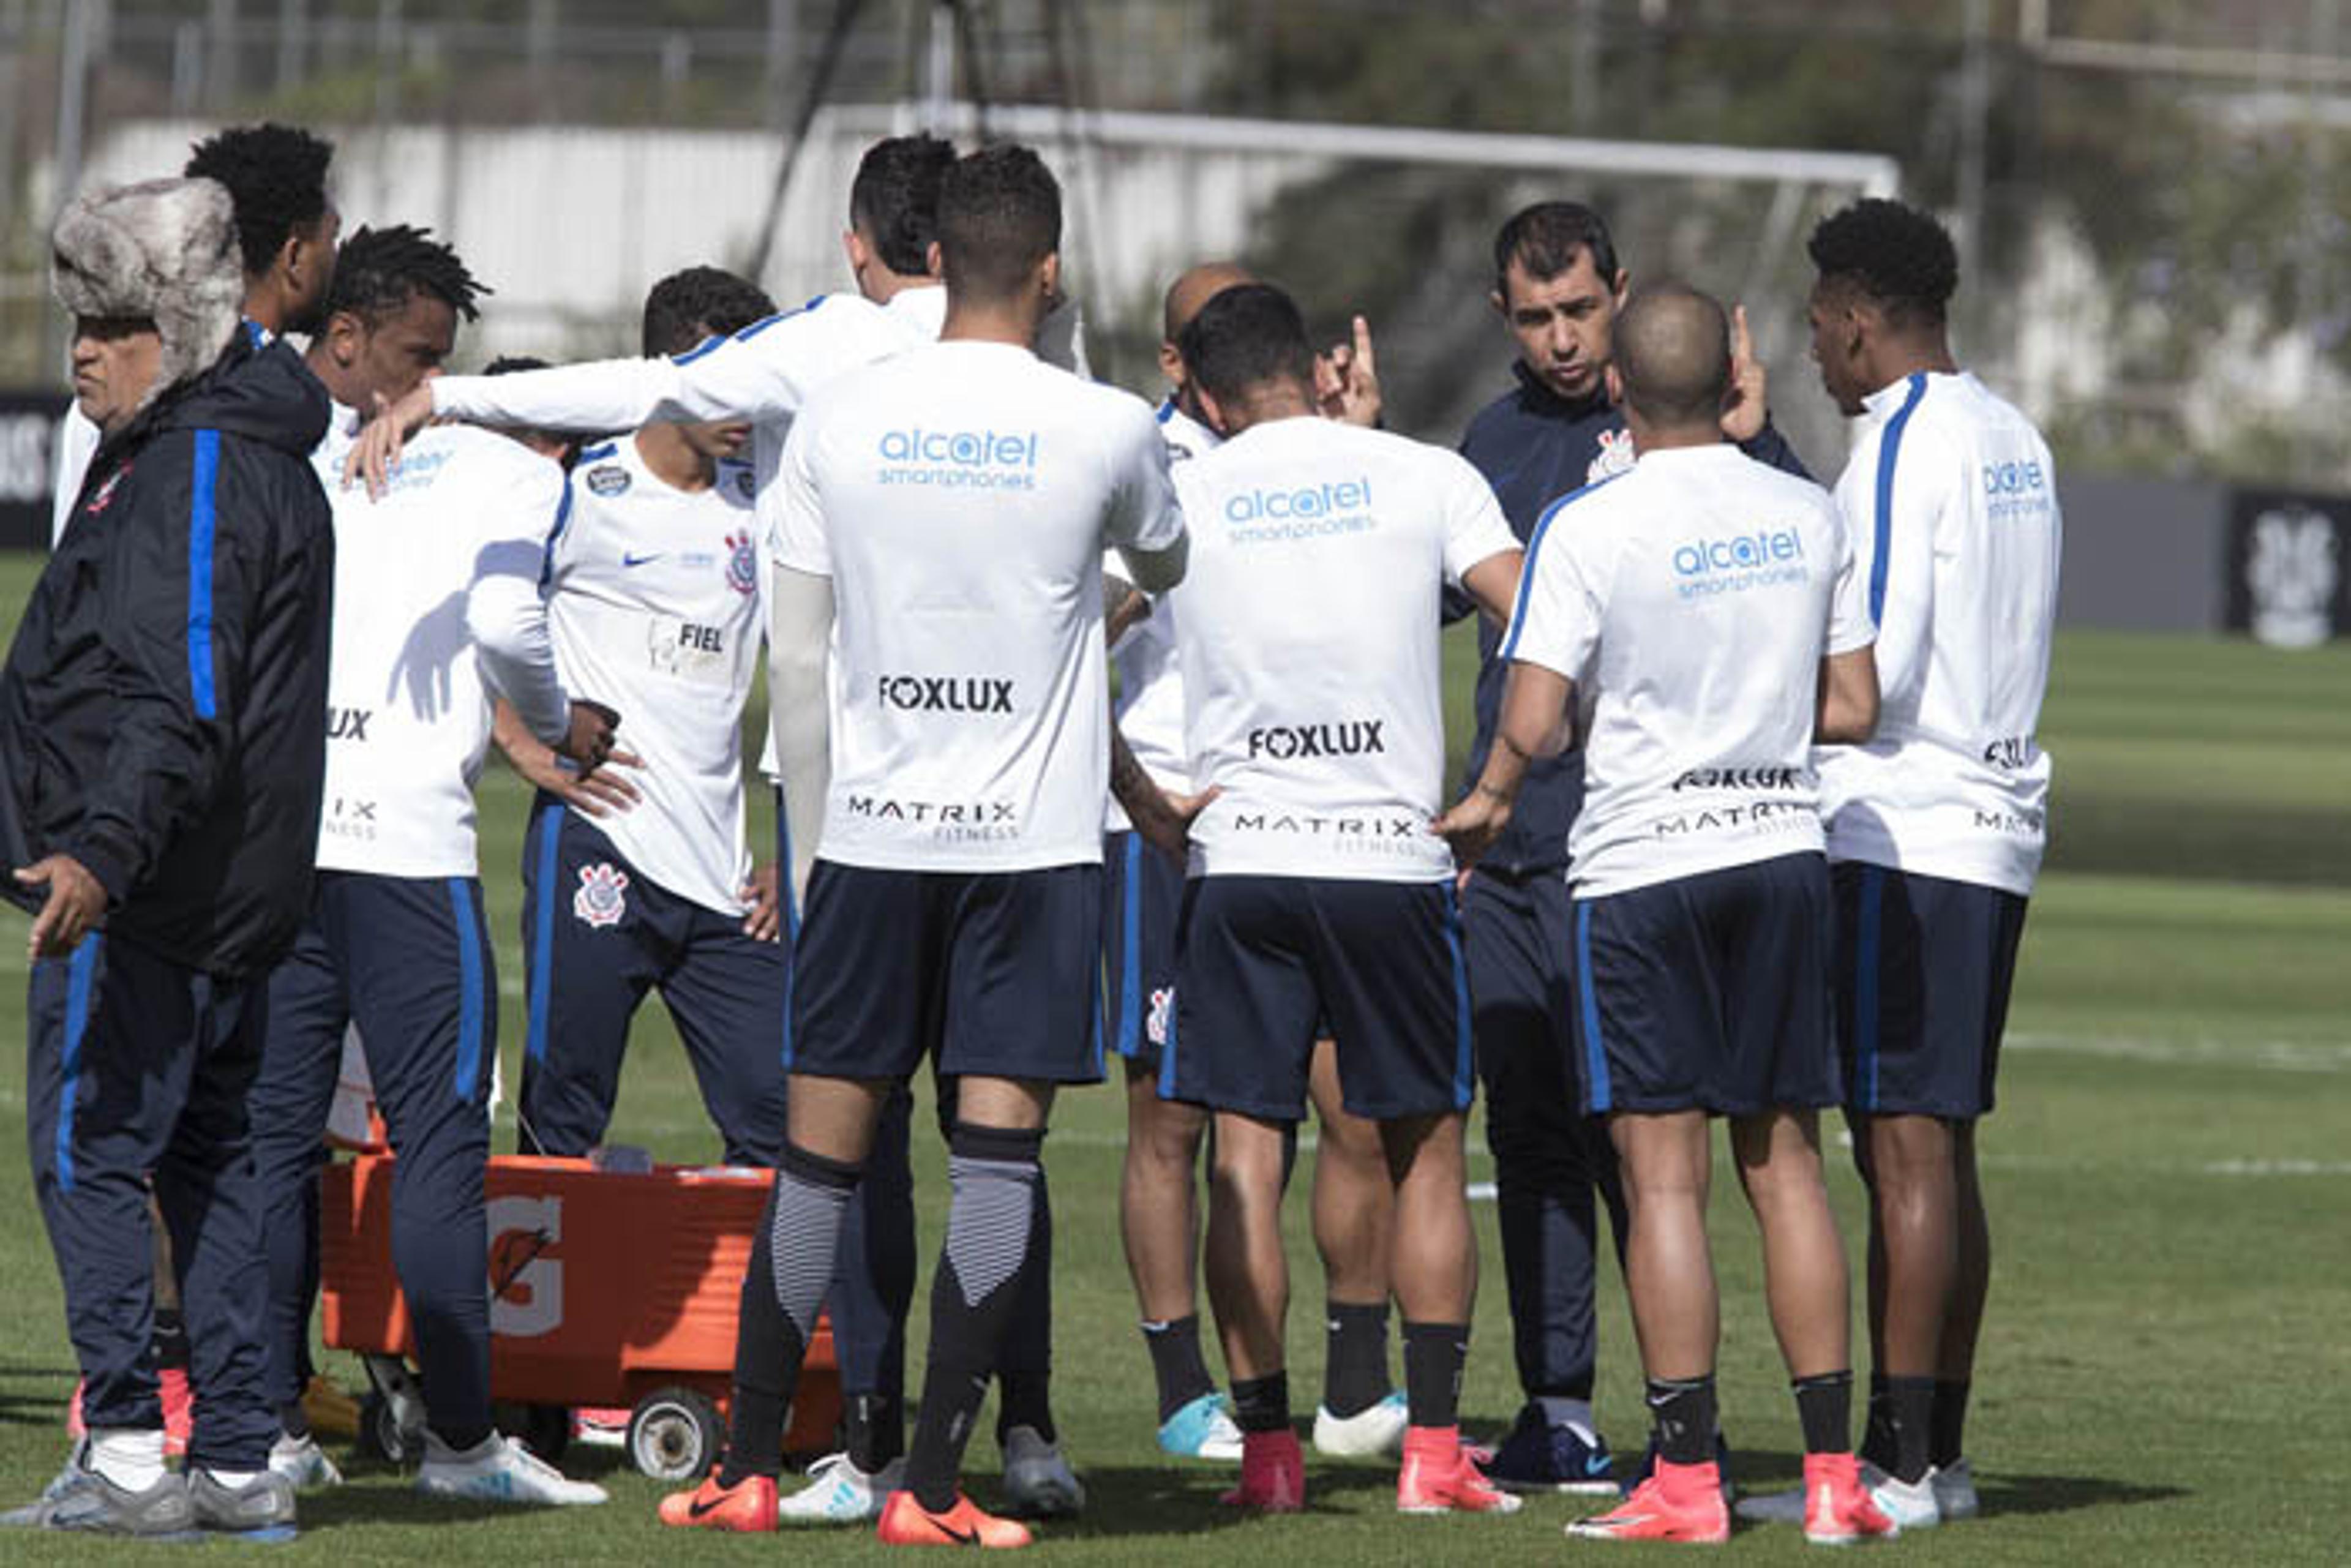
[602, 898]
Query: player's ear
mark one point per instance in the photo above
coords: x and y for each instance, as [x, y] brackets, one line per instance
[934, 262]
[1171, 363]
[1048, 277]
[1616, 384]
[852, 245]
[1621, 287]
[1501, 305]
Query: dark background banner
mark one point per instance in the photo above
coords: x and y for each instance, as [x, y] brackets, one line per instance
[28, 428]
[2289, 567]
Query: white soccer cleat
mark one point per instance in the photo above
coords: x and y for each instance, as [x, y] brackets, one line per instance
[1038, 1481]
[1911, 1505]
[1955, 1490]
[499, 1470]
[303, 1463]
[838, 1492]
[1375, 1430]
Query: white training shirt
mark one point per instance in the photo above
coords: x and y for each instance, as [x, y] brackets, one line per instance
[1150, 677]
[960, 495]
[1952, 501]
[78, 437]
[1310, 615]
[655, 605]
[436, 608]
[1690, 601]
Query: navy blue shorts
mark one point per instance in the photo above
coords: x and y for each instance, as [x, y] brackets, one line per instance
[1708, 992]
[1268, 960]
[991, 975]
[1922, 970]
[1143, 898]
[598, 933]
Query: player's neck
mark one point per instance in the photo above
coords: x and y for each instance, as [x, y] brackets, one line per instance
[881, 284]
[1647, 437]
[264, 309]
[1902, 358]
[672, 462]
[1013, 321]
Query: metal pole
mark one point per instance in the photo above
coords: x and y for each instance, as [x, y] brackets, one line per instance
[940, 74]
[1975, 111]
[73, 80]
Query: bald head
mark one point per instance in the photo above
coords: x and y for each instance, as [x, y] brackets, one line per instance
[1673, 355]
[1195, 287]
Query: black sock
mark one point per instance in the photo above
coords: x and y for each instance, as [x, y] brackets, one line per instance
[1262, 1404]
[1825, 1409]
[783, 1291]
[1683, 1411]
[978, 1282]
[1945, 1444]
[461, 1439]
[1901, 1427]
[873, 1430]
[169, 1344]
[1177, 1363]
[1355, 1359]
[1433, 1357]
[1879, 1445]
[1025, 1399]
[293, 1419]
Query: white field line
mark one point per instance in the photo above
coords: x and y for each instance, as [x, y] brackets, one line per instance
[2267, 1055]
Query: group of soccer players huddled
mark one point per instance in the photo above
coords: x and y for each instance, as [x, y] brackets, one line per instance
[1753, 812]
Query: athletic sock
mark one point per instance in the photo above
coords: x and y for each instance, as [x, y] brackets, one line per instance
[783, 1291]
[1824, 1409]
[1025, 1399]
[1683, 1411]
[873, 1430]
[1433, 1358]
[1177, 1363]
[1575, 1415]
[461, 1440]
[1356, 1361]
[1879, 1445]
[130, 1456]
[293, 1419]
[235, 1480]
[1945, 1444]
[1262, 1404]
[995, 1174]
[168, 1343]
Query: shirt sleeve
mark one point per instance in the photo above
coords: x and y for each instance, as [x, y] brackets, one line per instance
[1850, 626]
[1145, 516]
[1557, 621]
[1893, 504]
[1475, 528]
[797, 538]
[505, 610]
[762, 374]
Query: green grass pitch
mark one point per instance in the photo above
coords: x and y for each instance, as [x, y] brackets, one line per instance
[2169, 1172]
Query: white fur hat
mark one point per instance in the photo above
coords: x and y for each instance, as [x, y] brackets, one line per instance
[164, 249]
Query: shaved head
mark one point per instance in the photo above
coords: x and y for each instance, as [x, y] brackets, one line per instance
[1673, 354]
[1195, 287]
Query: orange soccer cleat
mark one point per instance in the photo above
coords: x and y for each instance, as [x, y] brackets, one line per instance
[1437, 1477]
[1838, 1509]
[1677, 1502]
[1273, 1473]
[748, 1506]
[906, 1522]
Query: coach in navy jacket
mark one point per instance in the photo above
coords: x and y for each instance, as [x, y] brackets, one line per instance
[163, 729]
[1557, 287]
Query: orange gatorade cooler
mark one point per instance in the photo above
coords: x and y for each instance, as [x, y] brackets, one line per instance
[606, 1288]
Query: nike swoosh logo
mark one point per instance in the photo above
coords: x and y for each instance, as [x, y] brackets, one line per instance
[633, 560]
[960, 1537]
[698, 1508]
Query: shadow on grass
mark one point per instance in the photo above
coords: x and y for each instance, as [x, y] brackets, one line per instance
[36, 1396]
[2004, 1495]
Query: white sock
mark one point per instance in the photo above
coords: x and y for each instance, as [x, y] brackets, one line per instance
[1575, 1415]
[233, 1480]
[130, 1456]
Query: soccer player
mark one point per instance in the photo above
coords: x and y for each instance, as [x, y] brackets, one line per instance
[1685, 615]
[285, 226]
[1936, 826]
[1360, 1413]
[1316, 889]
[436, 608]
[653, 600]
[162, 731]
[938, 634]
[1558, 287]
